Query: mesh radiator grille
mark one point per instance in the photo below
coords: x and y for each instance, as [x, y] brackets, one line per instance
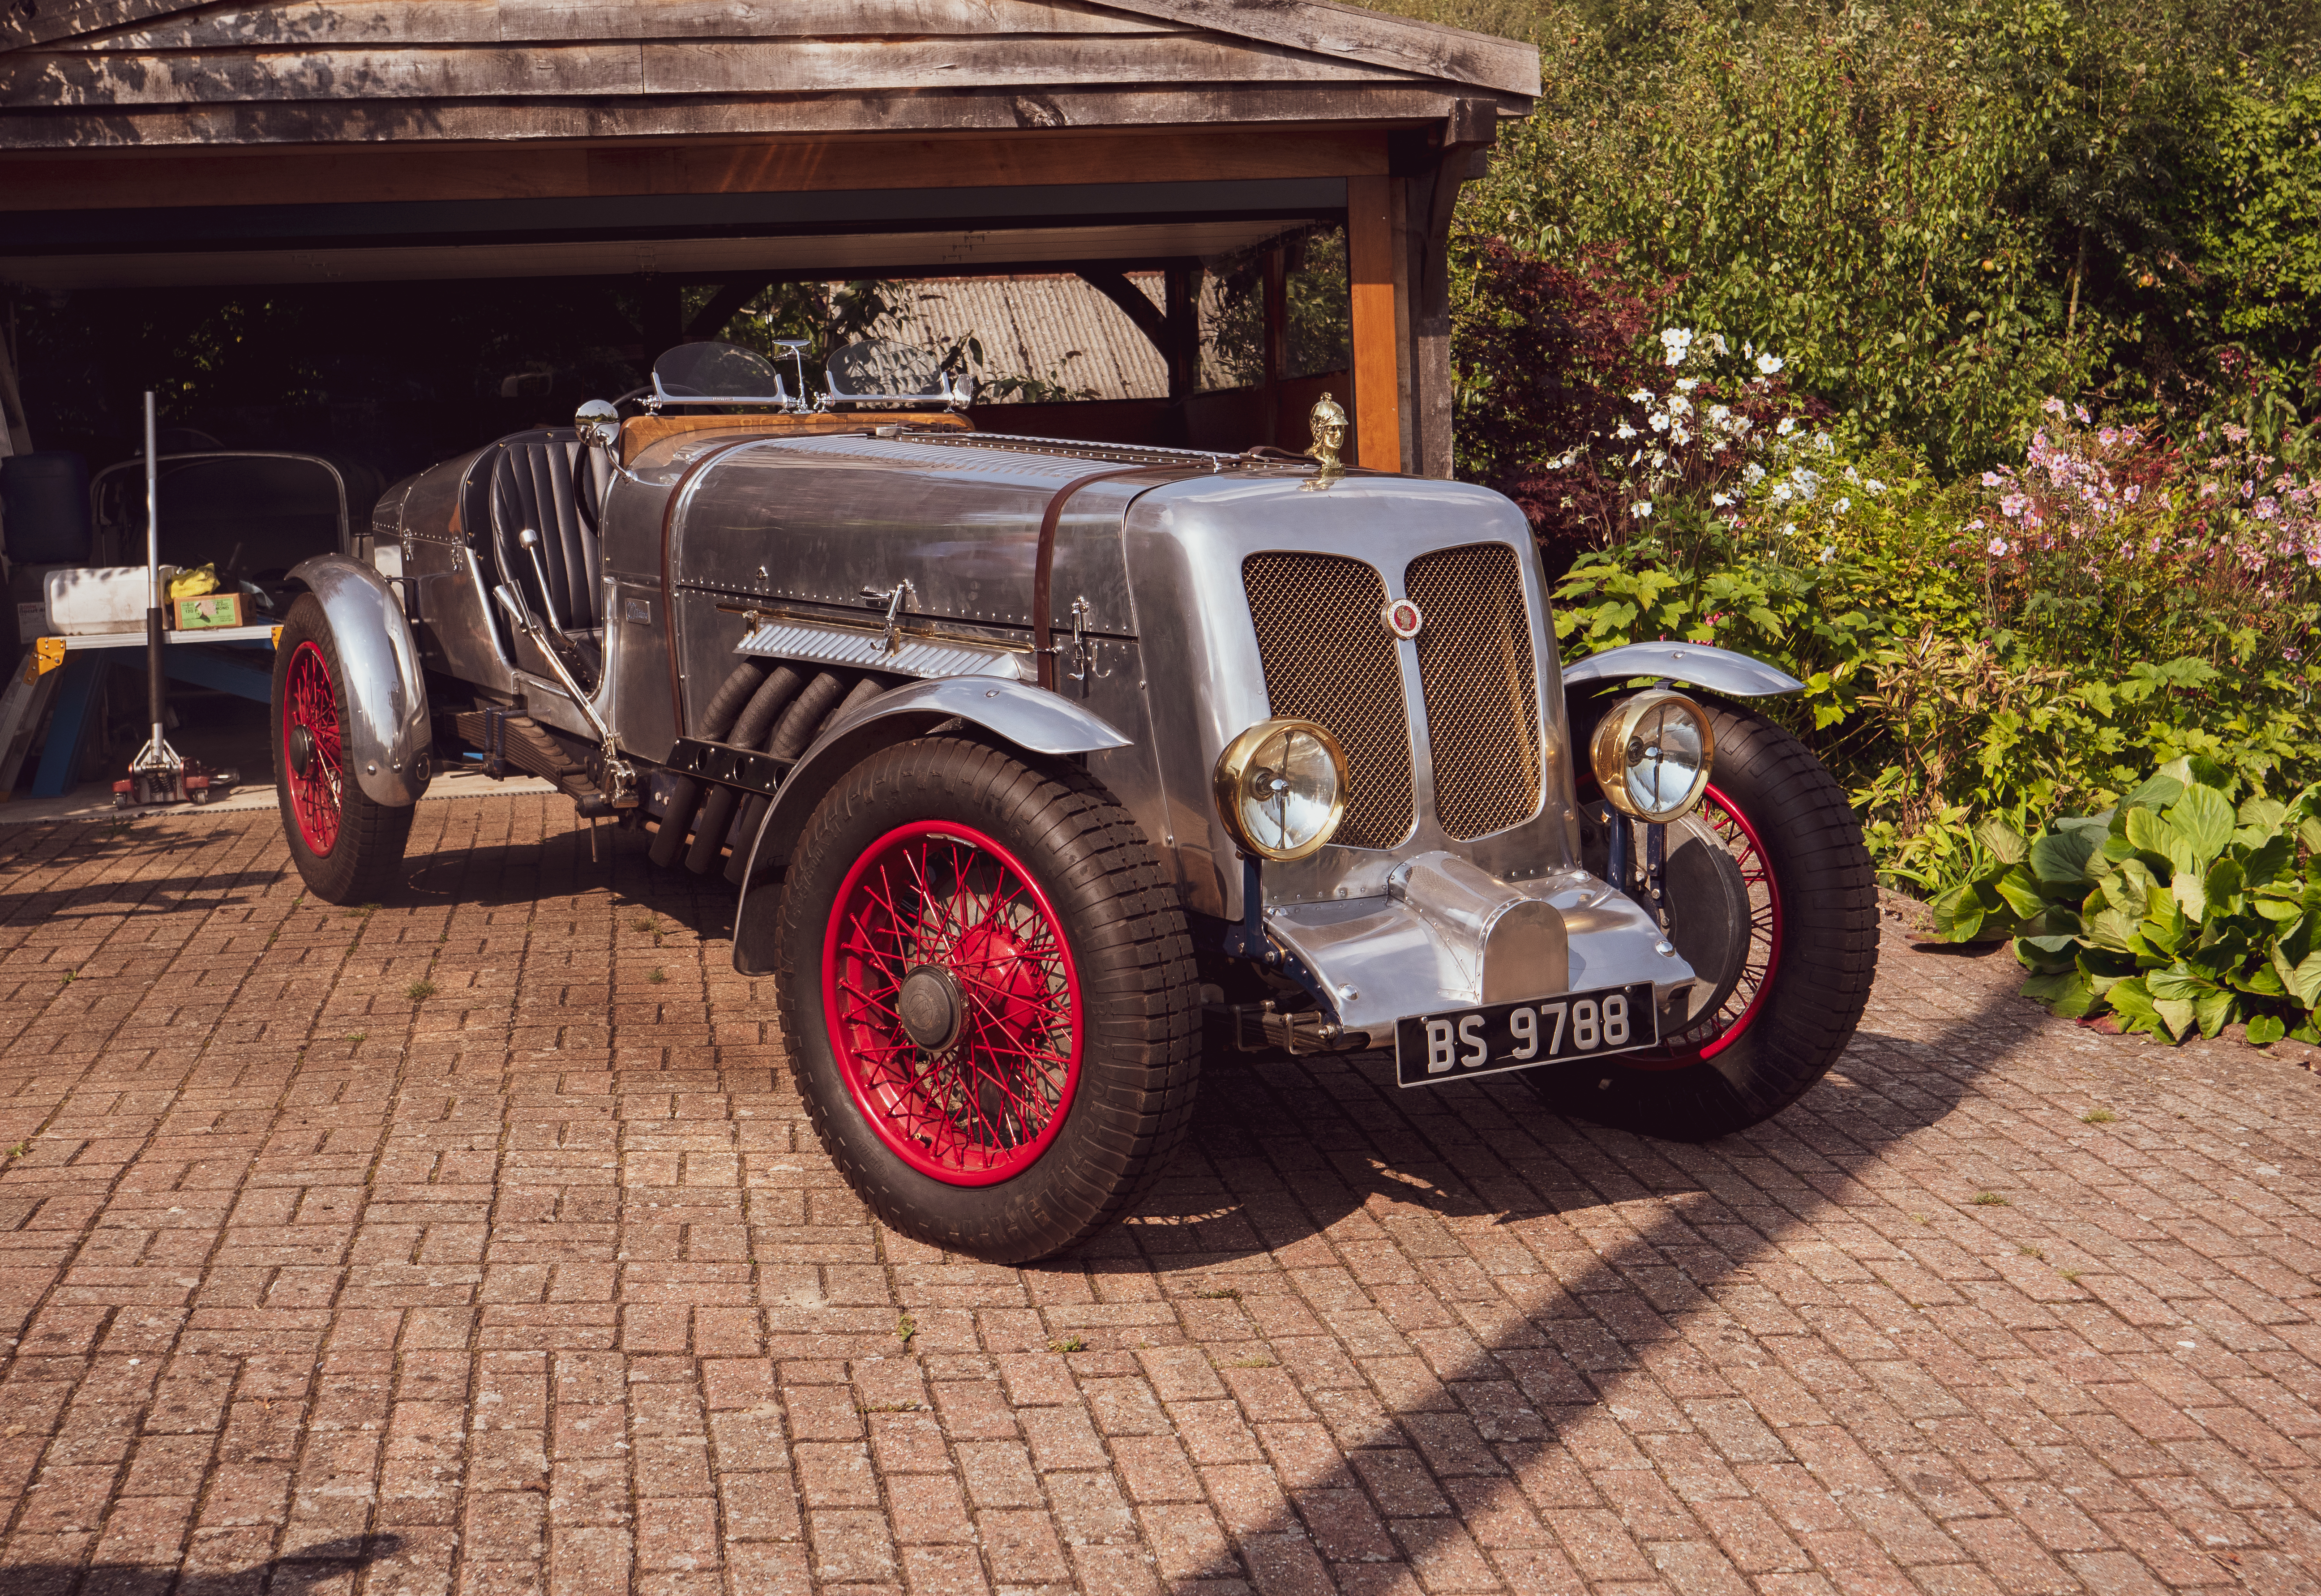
[1329, 657]
[1482, 698]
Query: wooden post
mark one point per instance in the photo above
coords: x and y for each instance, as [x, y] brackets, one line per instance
[1370, 264]
[1184, 329]
[1434, 196]
[1277, 338]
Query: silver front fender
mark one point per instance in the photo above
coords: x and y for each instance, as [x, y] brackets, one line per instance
[1031, 718]
[387, 733]
[1696, 665]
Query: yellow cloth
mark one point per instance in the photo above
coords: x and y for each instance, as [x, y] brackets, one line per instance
[194, 583]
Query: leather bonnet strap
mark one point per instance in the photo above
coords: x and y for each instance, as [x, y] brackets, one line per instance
[1043, 571]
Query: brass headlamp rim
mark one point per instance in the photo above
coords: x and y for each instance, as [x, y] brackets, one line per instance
[1607, 753]
[1233, 769]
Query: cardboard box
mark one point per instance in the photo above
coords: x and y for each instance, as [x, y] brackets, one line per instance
[211, 609]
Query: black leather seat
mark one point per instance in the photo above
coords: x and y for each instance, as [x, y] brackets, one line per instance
[547, 481]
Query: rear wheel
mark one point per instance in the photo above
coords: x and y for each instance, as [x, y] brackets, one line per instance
[347, 846]
[1800, 968]
[988, 996]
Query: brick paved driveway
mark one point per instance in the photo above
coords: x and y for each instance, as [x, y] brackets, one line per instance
[312, 1285]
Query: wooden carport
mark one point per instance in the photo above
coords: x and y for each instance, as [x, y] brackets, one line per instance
[153, 141]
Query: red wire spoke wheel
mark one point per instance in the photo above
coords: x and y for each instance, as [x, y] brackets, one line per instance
[1712, 1034]
[311, 760]
[1805, 973]
[987, 996]
[953, 1003]
[348, 847]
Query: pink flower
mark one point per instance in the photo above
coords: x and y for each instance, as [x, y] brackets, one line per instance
[1998, 546]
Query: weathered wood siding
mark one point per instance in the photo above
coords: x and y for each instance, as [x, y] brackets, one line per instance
[84, 73]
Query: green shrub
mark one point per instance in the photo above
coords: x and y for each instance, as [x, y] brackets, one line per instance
[2175, 912]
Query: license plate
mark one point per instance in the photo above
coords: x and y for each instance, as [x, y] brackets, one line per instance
[1432, 1048]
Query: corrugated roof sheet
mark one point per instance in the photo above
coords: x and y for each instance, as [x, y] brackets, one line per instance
[1053, 330]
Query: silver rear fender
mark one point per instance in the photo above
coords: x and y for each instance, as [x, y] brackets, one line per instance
[388, 736]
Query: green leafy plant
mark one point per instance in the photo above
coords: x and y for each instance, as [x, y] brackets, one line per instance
[419, 991]
[1068, 1344]
[2176, 912]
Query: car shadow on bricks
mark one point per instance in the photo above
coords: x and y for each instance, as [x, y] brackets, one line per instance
[1535, 1319]
[1257, 1111]
[523, 874]
[328, 1567]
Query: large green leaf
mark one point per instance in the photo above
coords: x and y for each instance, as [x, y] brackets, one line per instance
[2133, 1005]
[2176, 984]
[2303, 979]
[2205, 821]
[2061, 857]
[2019, 888]
[2214, 1012]
[2159, 790]
[2265, 1029]
[2006, 845]
[2151, 834]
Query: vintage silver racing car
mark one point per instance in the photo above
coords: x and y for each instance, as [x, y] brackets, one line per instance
[1042, 767]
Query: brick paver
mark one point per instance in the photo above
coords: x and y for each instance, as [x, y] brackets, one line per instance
[538, 1281]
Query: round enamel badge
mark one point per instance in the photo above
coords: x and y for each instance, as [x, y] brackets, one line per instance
[1402, 618]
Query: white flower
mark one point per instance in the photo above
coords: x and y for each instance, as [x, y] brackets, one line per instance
[1717, 412]
[1684, 384]
[1752, 473]
[1676, 342]
[1875, 485]
[1642, 395]
[1659, 422]
[1843, 506]
[1781, 493]
[1626, 431]
[1720, 500]
[1717, 342]
[1641, 509]
[1825, 443]
[1788, 424]
[1828, 553]
[1791, 529]
[1770, 363]
[1678, 404]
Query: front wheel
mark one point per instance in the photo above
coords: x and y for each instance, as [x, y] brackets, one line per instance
[988, 997]
[347, 846]
[1800, 967]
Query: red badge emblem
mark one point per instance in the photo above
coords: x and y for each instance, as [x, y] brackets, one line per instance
[1402, 618]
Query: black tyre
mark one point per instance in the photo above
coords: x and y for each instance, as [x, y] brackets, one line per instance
[1812, 952]
[348, 847]
[987, 996]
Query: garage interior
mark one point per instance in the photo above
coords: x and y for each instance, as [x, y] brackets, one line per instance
[381, 233]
